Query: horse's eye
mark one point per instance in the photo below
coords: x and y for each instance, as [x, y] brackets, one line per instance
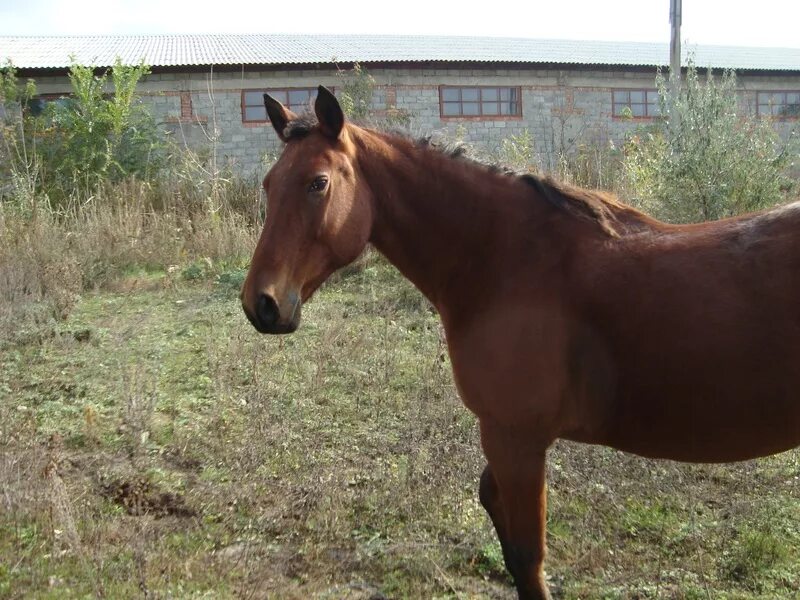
[319, 184]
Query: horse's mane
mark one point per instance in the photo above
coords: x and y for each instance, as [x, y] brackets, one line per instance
[597, 206]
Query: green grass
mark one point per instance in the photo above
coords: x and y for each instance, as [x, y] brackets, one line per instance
[194, 458]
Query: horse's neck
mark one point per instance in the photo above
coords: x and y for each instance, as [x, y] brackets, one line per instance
[439, 221]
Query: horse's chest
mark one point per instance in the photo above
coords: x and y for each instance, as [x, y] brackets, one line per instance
[502, 375]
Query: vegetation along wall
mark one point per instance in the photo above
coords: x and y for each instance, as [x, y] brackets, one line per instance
[555, 109]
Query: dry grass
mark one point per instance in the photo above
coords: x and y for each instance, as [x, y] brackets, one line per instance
[152, 445]
[48, 259]
[202, 460]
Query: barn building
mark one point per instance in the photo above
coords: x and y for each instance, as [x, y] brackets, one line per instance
[482, 90]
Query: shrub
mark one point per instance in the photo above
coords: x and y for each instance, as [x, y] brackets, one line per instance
[356, 92]
[706, 160]
[517, 151]
[71, 146]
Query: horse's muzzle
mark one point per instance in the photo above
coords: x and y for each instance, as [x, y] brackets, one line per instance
[267, 316]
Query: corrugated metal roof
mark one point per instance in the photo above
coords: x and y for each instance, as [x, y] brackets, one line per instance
[275, 49]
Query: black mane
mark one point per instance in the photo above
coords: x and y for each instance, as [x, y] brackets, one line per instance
[576, 201]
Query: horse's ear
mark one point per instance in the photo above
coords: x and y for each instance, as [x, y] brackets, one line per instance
[279, 116]
[329, 113]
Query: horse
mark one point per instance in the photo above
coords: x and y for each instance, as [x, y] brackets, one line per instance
[567, 314]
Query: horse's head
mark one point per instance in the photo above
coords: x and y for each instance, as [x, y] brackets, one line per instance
[319, 214]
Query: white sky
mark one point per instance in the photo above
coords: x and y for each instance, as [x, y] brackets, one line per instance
[728, 22]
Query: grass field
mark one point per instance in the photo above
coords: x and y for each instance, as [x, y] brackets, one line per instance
[152, 445]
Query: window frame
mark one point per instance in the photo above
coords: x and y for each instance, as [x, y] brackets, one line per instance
[480, 101]
[272, 92]
[646, 91]
[785, 104]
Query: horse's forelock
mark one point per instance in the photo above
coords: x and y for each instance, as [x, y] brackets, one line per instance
[300, 127]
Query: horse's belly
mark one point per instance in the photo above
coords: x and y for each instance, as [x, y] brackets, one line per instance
[724, 424]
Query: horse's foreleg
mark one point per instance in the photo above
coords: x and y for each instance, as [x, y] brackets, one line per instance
[513, 493]
[489, 496]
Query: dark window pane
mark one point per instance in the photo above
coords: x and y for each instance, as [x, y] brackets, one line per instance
[470, 108]
[255, 113]
[64, 102]
[638, 110]
[469, 94]
[490, 108]
[793, 98]
[451, 109]
[637, 97]
[36, 106]
[254, 98]
[653, 110]
[622, 97]
[281, 96]
[299, 97]
[451, 94]
[490, 94]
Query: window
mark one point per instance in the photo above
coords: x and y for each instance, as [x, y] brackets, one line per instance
[779, 104]
[639, 104]
[480, 101]
[295, 99]
[36, 106]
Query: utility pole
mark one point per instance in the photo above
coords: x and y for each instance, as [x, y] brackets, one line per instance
[675, 45]
[674, 66]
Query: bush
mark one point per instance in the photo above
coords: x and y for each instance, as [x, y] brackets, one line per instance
[69, 147]
[518, 152]
[356, 92]
[39, 278]
[706, 160]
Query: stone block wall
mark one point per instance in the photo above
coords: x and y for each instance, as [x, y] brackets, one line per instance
[560, 108]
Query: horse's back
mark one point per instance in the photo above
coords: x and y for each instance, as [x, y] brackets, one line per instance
[700, 327]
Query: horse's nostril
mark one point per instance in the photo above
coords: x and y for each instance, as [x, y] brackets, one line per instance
[267, 311]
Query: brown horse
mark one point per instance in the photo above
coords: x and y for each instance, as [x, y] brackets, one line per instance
[567, 314]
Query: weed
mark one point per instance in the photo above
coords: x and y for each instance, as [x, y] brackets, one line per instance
[339, 456]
